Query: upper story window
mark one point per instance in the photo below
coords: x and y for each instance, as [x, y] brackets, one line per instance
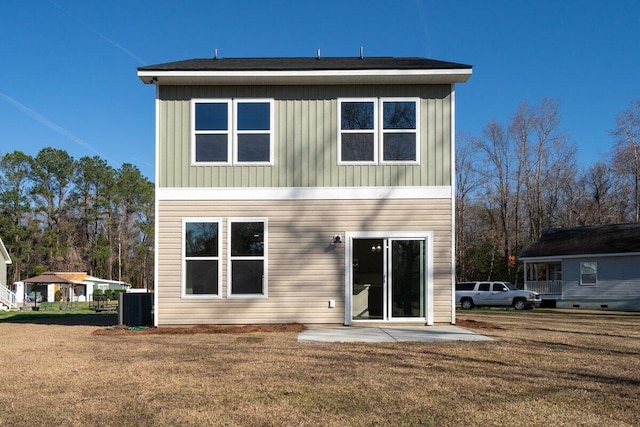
[399, 131]
[378, 130]
[358, 131]
[236, 131]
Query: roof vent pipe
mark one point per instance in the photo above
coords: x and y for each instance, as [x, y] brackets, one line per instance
[361, 52]
[215, 53]
[318, 54]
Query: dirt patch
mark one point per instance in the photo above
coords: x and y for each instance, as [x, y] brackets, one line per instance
[201, 329]
[476, 324]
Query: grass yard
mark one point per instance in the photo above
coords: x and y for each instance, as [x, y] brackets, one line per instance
[545, 368]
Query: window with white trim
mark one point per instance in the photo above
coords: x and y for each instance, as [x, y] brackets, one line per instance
[399, 131]
[589, 273]
[247, 247]
[212, 131]
[238, 131]
[358, 131]
[383, 130]
[201, 257]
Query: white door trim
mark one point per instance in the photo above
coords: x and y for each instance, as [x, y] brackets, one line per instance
[348, 268]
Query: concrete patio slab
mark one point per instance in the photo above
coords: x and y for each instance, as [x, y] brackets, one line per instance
[389, 334]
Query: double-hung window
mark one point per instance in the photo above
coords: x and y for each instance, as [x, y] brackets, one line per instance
[378, 130]
[238, 131]
[247, 247]
[399, 130]
[201, 257]
[358, 131]
[589, 273]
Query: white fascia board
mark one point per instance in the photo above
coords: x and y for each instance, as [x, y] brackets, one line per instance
[563, 257]
[304, 193]
[306, 77]
[5, 253]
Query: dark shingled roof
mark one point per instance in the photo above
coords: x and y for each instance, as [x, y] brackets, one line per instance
[597, 239]
[304, 64]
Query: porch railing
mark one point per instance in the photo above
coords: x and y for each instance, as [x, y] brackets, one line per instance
[546, 287]
[7, 297]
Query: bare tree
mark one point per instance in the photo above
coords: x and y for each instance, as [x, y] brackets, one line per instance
[497, 159]
[599, 185]
[526, 170]
[545, 159]
[626, 152]
[466, 184]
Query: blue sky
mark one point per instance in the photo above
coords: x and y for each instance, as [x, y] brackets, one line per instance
[68, 67]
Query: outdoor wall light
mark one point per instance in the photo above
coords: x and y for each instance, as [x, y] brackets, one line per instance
[337, 239]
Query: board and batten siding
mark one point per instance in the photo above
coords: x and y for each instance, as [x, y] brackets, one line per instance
[306, 139]
[304, 269]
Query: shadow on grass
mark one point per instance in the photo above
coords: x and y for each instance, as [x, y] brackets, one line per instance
[70, 319]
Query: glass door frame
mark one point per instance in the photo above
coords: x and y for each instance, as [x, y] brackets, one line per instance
[387, 237]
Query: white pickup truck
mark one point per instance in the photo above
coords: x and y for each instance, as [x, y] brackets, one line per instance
[495, 294]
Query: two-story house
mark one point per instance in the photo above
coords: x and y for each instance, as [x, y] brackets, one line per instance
[311, 190]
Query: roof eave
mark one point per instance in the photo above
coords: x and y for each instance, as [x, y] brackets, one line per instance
[331, 77]
[5, 253]
[542, 258]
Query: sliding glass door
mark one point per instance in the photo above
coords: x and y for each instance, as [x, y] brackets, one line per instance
[388, 278]
[407, 278]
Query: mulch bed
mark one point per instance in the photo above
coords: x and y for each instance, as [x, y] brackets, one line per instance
[201, 329]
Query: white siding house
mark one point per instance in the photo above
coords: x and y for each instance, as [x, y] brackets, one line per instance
[7, 297]
[5, 261]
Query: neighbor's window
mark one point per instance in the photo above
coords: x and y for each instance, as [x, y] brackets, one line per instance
[240, 129]
[247, 257]
[201, 257]
[370, 126]
[588, 273]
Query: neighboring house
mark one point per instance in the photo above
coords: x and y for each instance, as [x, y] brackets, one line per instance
[75, 286]
[586, 267]
[311, 190]
[7, 297]
[5, 262]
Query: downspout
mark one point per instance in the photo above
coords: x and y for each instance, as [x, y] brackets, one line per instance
[453, 204]
[156, 227]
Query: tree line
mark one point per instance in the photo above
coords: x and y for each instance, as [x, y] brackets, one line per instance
[61, 214]
[522, 176]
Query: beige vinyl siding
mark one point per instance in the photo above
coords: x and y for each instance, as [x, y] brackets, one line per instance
[304, 269]
[306, 134]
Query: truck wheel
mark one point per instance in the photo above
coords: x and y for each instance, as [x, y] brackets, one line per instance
[520, 304]
[466, 303]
